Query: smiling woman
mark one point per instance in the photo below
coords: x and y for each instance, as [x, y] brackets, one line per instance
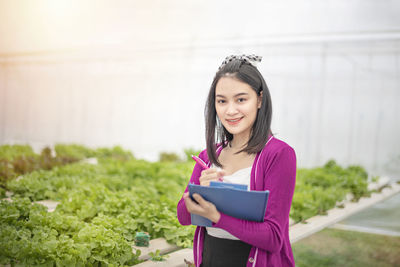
[238, 115]
[237, 105]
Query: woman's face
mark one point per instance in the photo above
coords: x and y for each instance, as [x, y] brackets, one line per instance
[236, 104]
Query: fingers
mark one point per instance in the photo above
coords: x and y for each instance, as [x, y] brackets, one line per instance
[196, 197]
[221, 174]
[208, 208]
[212, 171]
[211, 174]
[208, 171]
[191, 206]
[200, 200]
[202, 206]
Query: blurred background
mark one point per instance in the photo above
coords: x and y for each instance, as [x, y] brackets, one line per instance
[137, 73]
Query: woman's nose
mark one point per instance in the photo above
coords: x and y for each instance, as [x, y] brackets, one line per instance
[232, 109]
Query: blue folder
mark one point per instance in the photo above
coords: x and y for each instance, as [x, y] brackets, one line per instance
[228, 185]
[238, 203]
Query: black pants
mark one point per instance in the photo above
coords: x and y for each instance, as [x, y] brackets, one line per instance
[221, 252]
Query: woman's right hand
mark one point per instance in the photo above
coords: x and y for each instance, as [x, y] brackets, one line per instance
[211, 174]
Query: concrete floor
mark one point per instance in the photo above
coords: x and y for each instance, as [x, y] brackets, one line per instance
[380, 218]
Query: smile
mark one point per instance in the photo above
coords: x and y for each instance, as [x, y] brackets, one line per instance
[234, 121]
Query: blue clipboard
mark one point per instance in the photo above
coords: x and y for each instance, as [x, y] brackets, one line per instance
[238, 203]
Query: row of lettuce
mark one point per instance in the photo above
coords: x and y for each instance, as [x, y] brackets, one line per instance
[102, 206]
[16, 160]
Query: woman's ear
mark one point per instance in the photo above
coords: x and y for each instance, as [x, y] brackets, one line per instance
[259, 100]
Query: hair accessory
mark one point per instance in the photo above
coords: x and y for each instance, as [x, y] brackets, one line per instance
[249, 59]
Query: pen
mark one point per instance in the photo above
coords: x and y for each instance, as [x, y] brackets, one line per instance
[199, 161]
[202, 164]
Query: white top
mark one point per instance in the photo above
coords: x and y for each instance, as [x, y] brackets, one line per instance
[241, 176]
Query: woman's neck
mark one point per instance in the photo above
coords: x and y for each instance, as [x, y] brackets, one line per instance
[239, 142]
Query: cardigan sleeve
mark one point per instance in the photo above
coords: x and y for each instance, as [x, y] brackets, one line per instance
[279, 179]
[182, 213]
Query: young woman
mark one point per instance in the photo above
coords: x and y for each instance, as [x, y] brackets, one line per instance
[238, 116]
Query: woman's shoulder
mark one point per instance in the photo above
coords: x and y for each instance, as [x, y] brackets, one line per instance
[276, 145]
[203, 154]
[277, 150]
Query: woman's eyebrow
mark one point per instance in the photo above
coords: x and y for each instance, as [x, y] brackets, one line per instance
[220, 96]
[240, 94]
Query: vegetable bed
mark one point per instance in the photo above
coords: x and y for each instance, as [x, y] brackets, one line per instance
[103, 206]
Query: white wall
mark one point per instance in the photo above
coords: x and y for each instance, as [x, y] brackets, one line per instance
[137, 73]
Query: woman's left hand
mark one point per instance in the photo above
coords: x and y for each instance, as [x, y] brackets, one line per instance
[204, 208]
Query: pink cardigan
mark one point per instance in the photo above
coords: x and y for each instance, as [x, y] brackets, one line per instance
[274, 169]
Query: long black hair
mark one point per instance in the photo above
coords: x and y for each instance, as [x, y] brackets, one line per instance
[216, 132]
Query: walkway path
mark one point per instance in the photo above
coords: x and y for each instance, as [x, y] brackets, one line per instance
[381, 218]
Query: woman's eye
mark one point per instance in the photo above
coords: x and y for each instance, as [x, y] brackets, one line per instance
[220, 101]
[241, 100]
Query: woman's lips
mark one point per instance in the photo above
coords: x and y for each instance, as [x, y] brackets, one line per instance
[234, 121]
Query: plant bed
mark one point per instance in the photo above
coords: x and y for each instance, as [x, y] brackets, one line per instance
[97, 198]
[121, 195]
